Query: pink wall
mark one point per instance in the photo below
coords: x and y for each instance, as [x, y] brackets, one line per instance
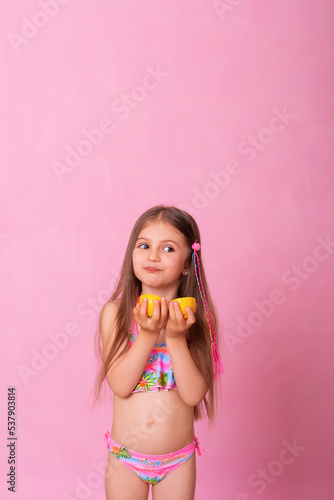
[222, 108]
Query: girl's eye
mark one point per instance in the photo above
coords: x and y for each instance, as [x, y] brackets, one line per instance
[144, 246]
[169, 249]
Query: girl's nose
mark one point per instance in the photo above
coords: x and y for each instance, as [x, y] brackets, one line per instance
[153, 255]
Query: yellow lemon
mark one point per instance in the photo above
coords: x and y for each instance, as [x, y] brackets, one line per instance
[185, 302]
[150, 302]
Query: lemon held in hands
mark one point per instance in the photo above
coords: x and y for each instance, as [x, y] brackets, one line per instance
[186, 302]
[150, 302]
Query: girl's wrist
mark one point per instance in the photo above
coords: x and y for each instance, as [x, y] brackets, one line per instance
[175, 339]
[148, 334]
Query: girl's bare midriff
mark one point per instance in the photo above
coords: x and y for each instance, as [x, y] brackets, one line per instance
[154, 423]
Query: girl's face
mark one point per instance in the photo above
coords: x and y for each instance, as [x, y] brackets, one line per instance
[160, 258]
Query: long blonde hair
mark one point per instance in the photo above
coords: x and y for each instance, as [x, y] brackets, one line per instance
[128, 288]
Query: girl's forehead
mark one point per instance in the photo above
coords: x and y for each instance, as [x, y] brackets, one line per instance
[160, 229]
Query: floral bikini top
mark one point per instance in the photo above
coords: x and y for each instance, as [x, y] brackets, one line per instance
[158, 372]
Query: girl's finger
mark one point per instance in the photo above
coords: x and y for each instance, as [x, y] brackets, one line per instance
[178, 314]
[143, 307]
[164, 309]
[156, 310]
[172, 311]
[135, 310]
[191, 317]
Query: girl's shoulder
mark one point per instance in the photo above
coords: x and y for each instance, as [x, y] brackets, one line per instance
[108, 316]
[108, 319]
[110, 307]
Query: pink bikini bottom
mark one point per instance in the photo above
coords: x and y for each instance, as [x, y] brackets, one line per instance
[151, 468]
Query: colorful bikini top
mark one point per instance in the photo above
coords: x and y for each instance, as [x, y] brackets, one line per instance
[158, 372]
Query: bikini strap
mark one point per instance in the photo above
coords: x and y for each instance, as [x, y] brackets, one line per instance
[198, 448]
[133, 332]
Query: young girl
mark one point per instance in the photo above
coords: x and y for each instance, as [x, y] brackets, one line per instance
[161, 369]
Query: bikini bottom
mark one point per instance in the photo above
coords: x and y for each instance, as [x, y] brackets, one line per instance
[151, 468]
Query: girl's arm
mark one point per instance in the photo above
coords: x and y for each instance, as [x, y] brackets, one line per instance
[126, 370]
[190, 382]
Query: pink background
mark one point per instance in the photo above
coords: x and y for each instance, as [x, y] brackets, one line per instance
[237, 129]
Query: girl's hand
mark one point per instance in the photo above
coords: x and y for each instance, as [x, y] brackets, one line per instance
[159, 318]
[176, 324]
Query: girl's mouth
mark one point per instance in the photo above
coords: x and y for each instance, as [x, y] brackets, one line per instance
[151, 269]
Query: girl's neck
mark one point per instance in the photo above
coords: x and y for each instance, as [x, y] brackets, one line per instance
[169, 292]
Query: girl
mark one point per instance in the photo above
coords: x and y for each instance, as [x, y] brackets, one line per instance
[160, 369]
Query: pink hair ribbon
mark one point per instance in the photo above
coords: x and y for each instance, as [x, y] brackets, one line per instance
[218, 365]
